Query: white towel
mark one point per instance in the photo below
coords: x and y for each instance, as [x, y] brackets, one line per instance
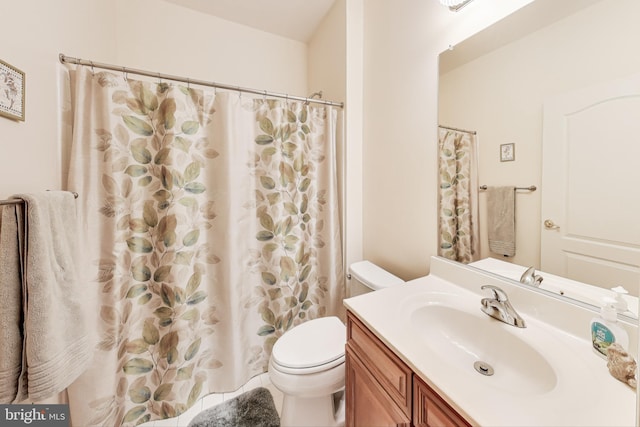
[501, 220]
[10, 302]
[56, 349]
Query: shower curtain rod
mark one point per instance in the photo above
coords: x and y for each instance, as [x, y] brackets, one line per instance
[472, 132]
[78, 61]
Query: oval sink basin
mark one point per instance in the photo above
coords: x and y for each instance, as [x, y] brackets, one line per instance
[463, 338]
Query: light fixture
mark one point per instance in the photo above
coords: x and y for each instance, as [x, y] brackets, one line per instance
[455, 5]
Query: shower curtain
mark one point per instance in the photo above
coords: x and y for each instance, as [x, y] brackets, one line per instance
[458, 224]
[210, 227]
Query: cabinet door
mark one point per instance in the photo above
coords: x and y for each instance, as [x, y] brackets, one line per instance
[429, 410]
[368, 405]
[393, 375]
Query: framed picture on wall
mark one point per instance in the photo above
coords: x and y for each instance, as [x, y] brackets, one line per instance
[507, 152]
[12, 84]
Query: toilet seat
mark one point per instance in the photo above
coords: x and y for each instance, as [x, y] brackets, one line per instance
[314, 346]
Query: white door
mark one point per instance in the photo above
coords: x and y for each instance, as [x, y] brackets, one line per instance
[591, 185]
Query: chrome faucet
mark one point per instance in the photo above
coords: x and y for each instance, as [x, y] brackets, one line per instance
[529, 277]
[500, 308]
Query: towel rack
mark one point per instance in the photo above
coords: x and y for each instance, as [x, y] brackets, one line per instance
[530, 188]
[18, 201]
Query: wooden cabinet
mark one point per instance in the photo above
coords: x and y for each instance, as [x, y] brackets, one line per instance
[378, 383]
[429, 410]
[368, 404]
[382, 391]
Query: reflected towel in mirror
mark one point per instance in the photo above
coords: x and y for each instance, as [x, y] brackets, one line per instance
[501, 222]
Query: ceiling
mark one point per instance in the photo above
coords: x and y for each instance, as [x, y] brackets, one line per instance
[530, 18]
[294, 19]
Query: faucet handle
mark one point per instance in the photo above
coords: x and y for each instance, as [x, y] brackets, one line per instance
[529, 277]
[498, 293]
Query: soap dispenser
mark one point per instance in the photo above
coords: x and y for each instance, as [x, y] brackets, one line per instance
[618, 295]
[605, 329]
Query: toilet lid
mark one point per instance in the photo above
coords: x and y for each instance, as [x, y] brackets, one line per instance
[314, 343]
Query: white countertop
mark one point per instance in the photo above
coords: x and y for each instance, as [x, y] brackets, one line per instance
[583, 392]
[559, 285]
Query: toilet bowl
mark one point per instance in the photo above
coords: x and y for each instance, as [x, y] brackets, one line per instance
[307, 366]
[307, 362]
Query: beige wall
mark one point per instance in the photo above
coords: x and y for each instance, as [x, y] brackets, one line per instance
[504, 92]
[161, 36]
[147, 34]
[327, 58]
[335, 67]
[402, 40]
[33, 34]
[327, 63]
[390, 79]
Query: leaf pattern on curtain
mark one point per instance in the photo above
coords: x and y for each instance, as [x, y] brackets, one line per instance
[211, 228]
[155, 199]
[457, 216]
[289, 203]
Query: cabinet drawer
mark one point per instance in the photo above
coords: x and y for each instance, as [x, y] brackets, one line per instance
[392, 374]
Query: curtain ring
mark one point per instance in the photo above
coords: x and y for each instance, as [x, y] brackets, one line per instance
[159, 78]
[124, 74]
[264, 96]
[188, 83]
[93, 71]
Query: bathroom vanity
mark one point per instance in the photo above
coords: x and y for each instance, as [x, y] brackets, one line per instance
[384, 391]
[424, 354]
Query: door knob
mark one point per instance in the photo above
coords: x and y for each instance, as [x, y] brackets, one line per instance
[550, 225]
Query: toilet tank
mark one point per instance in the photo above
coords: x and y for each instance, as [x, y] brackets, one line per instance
[367, 277]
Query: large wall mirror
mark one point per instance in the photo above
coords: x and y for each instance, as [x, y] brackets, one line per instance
[506, 82]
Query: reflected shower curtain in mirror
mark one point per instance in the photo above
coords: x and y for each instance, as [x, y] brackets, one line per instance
[210, 227]
[458, 225]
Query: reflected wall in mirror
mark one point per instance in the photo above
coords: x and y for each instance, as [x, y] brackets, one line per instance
[497, 83]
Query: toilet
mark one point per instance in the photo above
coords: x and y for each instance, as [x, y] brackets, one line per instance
[307, 362]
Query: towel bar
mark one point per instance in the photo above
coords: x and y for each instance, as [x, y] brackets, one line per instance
[530, 188]
[17, 201]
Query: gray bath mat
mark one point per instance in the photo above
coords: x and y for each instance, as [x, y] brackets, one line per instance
[255, 408]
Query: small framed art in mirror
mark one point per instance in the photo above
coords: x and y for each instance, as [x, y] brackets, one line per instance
[507, 152]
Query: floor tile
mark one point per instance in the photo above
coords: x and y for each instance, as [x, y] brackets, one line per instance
[167, 422]
[183, 419]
